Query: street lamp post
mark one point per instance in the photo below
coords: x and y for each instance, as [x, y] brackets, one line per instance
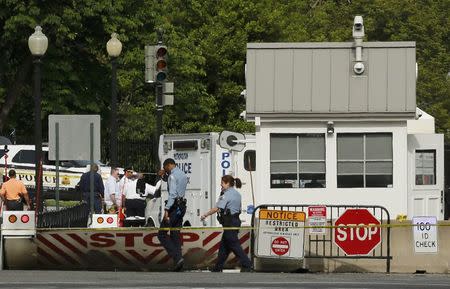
[114, 47]
[37, 43]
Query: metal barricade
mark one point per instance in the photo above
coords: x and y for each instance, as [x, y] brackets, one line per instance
[323, 246]
[70, 217]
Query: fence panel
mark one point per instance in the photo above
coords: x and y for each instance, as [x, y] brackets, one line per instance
[138, 154]
[70, 217]
[323, 246]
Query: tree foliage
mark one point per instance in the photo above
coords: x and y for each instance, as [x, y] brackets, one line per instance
[207, 45]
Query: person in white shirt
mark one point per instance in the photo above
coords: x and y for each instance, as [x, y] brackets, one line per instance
[136, 191]
[112, 193]
[128, 174]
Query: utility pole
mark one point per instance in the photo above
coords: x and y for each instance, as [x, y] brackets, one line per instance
[160, 78]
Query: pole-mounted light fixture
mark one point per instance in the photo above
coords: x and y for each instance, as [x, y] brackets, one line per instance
[37, 43]
[114, 46]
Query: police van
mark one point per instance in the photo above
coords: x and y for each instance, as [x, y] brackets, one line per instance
[205, 158]
[21, 158]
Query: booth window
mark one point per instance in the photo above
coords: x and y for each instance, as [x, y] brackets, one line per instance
[364, 160]
[297, 160]
[425, 167]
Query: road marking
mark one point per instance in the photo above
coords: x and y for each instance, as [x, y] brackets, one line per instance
[231, 271]
[349, 283]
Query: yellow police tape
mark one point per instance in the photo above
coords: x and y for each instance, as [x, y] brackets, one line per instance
[446, 224]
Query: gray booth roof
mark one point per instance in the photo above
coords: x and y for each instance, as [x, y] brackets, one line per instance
[317, 79]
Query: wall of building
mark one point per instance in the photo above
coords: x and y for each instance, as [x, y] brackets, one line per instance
[305, 78]
[424, 123]
[395, 199]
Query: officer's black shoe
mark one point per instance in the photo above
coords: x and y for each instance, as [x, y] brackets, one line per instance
[179, 265]
[214, 269]
[247, 270]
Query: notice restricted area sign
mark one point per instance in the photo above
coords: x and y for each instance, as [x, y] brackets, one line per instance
[280, 234]
[425, 235]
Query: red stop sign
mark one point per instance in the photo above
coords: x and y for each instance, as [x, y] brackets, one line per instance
[357, 240]
[280, 246]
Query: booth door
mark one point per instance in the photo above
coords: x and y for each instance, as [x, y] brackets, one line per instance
[426, 175]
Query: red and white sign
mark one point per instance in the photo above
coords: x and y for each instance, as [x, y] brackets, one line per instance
[317, 217]
[18, 223]
[125, 249]
[104, 221]
[280, 234]
[357, 232]
[280, 246]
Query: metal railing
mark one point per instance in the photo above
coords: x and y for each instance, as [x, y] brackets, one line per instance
[70, 217]
[139, 154]
[322, 245]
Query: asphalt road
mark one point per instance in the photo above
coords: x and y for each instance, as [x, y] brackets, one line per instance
[231, 279]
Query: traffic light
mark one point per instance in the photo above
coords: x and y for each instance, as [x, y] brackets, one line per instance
[161, 62]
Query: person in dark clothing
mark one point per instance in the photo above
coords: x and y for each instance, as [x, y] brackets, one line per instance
[174, 211]
[99, 189]
[229, 205]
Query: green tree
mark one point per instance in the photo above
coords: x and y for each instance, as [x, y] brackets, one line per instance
[207, 53]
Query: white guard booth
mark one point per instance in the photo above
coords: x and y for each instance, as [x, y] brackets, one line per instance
[337, 123]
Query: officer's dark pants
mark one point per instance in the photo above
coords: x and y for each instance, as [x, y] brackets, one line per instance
[14, 205]
[172, 242]
[230, 243]
[97, 202]
[135, 207]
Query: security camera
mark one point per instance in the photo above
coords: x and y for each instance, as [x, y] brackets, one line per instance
[358, 27]
[358, 23]
[244, 93]
[358, 68]
[330, 127]
[243, 114]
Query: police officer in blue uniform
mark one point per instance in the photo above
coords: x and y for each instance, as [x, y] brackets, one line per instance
[229, 208]
[174, 211]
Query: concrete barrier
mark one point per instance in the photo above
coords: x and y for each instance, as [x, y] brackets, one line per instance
[404, 260]
[114, 249]
[139, 249]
